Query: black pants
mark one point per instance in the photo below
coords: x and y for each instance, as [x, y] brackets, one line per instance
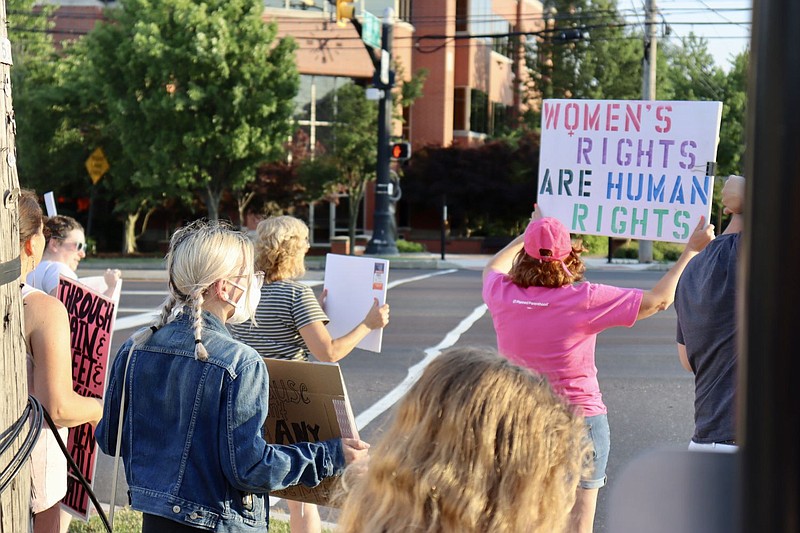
[157, 524]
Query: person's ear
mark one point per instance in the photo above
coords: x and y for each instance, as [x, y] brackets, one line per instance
[222, 289]
[28, 247]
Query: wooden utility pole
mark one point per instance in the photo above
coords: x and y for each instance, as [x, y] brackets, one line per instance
[15, 500]
[649, 89]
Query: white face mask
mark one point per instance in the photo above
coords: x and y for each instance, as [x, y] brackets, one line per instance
[248, 301]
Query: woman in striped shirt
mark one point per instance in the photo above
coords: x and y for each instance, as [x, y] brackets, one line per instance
[291, 323]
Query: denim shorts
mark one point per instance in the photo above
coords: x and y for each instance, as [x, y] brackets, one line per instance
[599, 434]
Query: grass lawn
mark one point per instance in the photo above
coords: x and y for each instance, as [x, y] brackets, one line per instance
[130, 521]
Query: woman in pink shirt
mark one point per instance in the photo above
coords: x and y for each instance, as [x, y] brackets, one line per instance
[547, 319]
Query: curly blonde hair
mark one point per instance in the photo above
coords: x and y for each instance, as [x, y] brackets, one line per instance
[281, 245]
[478, 444]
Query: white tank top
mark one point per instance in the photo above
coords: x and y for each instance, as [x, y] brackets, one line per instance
[48, 464]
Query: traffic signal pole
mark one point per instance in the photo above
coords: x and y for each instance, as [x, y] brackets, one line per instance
[382, 241]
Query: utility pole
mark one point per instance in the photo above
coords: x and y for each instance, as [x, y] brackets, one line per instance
[382, 241]
[649, 90]
[15, 499]
[518, 65]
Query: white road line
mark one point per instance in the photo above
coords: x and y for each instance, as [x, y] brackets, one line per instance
[134, 321]
[415, 371]
[393, 284]
[145, 293]
[145, 316]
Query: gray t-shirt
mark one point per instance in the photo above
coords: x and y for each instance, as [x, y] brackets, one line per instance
[286, 306]
[705, 302]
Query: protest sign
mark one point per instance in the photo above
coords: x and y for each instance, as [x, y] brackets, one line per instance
[353, 283]
[91, 323]
[307, 403]
[629, 169]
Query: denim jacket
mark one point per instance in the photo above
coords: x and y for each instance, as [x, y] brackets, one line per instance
[192, 441]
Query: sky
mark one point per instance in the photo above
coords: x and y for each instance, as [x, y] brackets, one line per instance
[724, 23]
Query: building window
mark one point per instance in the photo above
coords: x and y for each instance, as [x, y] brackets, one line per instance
[479, 111]
[460, 109]
[501, 118]
[315, 108]
[462, 14]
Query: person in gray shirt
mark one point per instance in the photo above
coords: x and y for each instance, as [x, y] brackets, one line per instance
[705, 303]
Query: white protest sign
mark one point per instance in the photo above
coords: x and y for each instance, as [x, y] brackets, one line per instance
[353, 283]
[50, 204]
[628, 168]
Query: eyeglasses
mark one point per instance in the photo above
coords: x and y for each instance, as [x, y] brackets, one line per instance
[258, 275]
[79, 246]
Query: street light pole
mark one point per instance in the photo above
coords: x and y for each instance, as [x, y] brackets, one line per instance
[382, 241]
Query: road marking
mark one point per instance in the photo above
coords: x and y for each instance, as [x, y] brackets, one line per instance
[145, 316]
[145, 293]
[414, 373]
[393, 284]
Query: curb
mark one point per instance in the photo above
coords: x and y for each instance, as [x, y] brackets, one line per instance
[151, 271]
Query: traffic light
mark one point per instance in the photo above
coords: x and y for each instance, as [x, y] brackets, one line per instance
[345, 9]
[400, 151]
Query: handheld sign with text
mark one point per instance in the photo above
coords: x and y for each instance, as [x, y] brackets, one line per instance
[628, 168]
[307, 403]
[91, 323]
[353, 283]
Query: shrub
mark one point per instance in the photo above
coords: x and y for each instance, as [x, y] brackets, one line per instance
[407, 247]
[595, 244]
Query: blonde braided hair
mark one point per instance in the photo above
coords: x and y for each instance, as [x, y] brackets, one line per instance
[200, 254]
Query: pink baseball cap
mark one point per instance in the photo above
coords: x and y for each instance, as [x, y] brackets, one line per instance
[548, 234]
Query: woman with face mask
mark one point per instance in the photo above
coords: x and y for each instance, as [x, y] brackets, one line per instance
[64, 249]
[290, 323]
[186, 403]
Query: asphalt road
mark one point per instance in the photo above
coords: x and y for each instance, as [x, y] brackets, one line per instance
[648, 394]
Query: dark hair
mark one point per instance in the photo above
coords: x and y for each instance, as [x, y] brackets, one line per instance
[527, 271]
[30, 215]
[59, 226]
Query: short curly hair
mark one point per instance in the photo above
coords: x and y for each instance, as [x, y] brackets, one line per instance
[527, 271]
[58, 227]
[281, 243]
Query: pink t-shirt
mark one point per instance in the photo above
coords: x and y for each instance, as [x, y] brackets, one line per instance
[553, 331]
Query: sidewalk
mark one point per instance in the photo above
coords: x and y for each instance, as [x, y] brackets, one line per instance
[154, 270]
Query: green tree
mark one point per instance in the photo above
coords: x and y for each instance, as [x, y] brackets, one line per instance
[691, 74]
[490, 188]
[34, 80]
[198, 93]
[605, 63]
[353, 151]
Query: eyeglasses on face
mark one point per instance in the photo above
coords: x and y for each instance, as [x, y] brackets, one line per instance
[258, 275]
[79, 246]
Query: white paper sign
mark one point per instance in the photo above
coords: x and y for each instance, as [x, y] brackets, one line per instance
[50, 204]
[628, 168]
[353, 283]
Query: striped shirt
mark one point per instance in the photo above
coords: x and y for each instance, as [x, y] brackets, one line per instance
[286, 306]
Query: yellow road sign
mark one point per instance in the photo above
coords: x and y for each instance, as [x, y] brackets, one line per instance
[97, 165]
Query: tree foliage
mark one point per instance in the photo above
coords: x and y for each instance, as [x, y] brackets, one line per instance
[198, 93]
[490, 189]
[350, 161]
[606, 63]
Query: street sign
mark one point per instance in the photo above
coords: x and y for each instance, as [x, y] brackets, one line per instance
[371, 30]
[97, 165]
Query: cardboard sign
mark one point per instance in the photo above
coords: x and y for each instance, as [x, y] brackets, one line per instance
[307, 403]
[353, 283]
[91, 322]
[628, 168]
